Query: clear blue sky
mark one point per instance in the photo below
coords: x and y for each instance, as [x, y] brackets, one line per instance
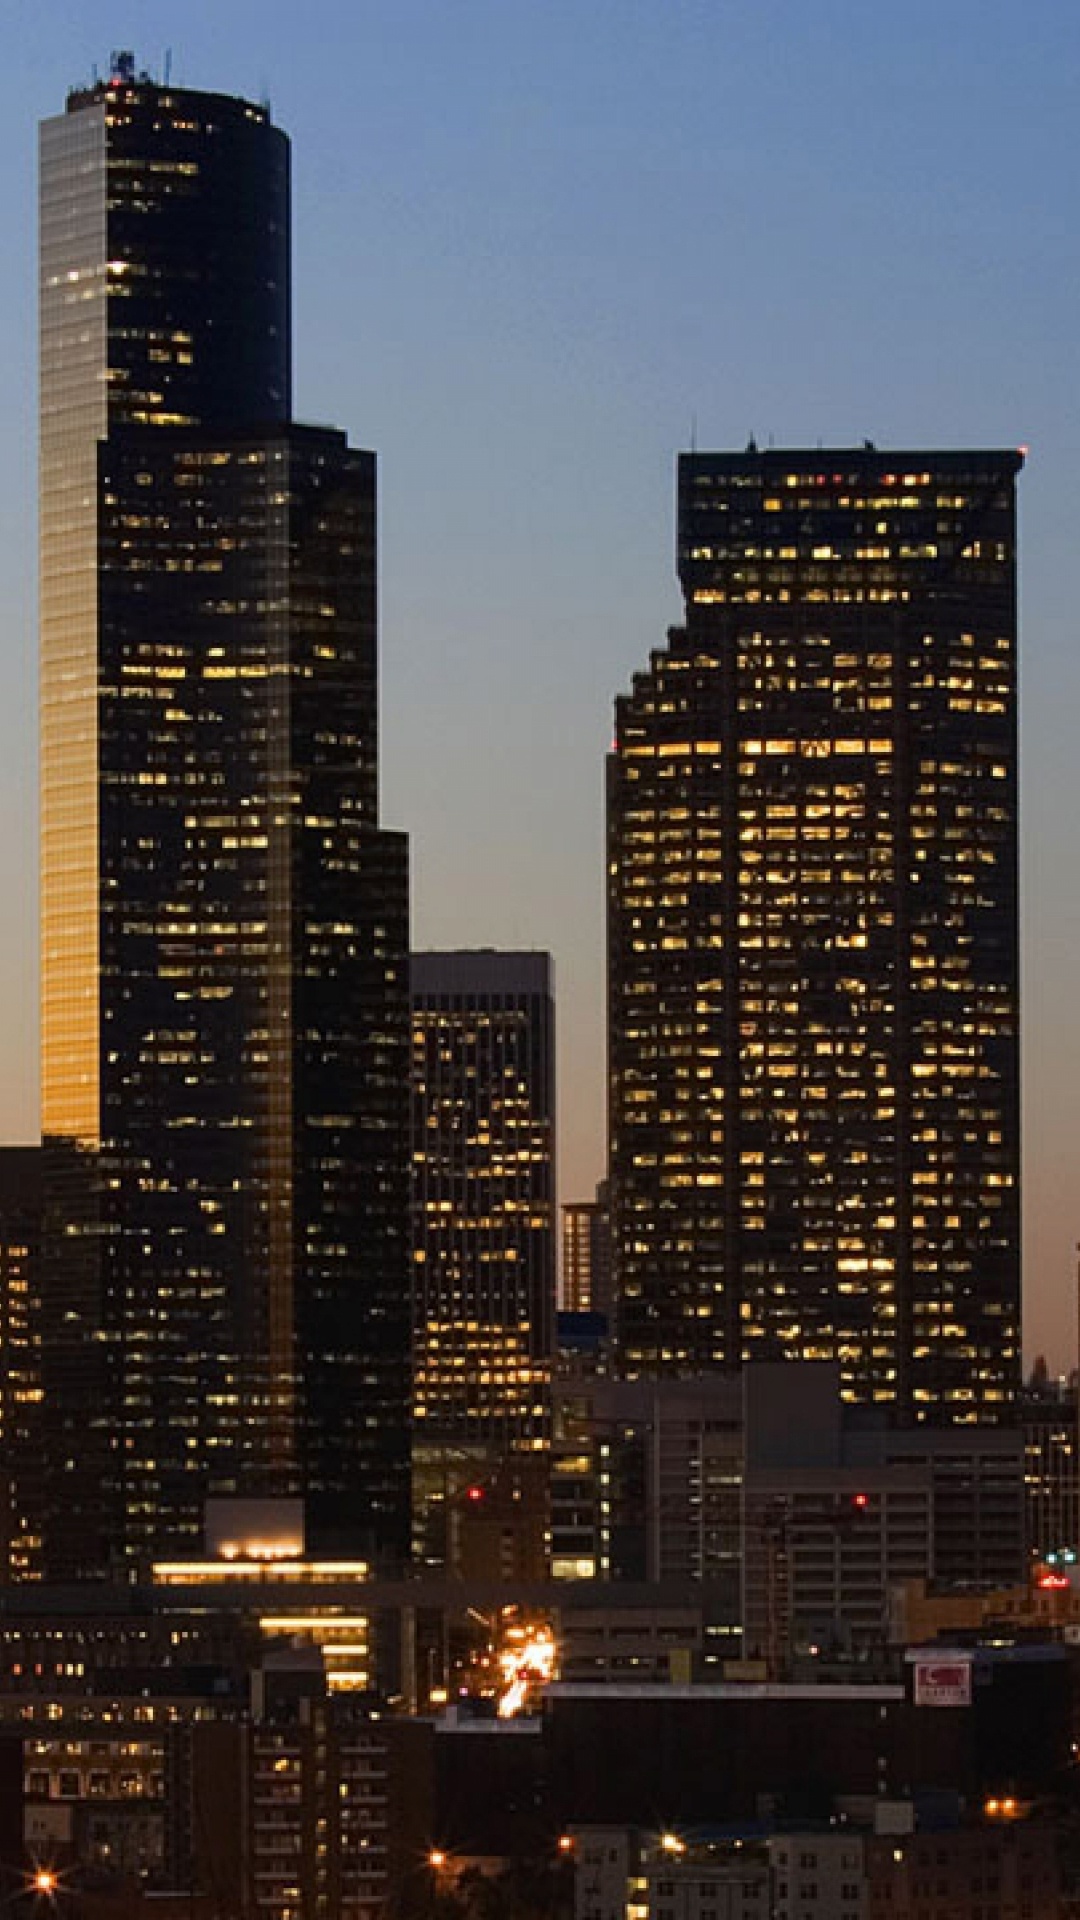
[534, 241]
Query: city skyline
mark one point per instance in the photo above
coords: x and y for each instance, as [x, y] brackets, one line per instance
[891, 344]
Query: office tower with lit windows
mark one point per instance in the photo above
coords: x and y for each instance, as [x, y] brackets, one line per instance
[813, 1048]
[225, 945]
[20, 1363]
[483, 1220]
[586, 1255]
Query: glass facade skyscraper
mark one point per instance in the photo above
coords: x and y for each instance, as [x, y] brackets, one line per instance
[225, 991]
[164, 301]
[813, 975]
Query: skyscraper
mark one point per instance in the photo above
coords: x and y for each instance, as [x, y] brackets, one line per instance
[483, 1211]
[20, 1363]
[586, 1255]
[225, 998]
[813, 983]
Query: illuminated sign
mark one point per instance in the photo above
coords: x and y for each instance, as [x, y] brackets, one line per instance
[943, 1683]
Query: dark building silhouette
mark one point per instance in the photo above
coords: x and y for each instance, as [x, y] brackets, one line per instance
[1048, 1415]
[483, 1219]
[20, 1363]
[225, 993]
[814, 1103]
[704, 1755]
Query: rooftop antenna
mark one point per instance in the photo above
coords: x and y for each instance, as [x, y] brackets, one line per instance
[693, 433]
[168, 65]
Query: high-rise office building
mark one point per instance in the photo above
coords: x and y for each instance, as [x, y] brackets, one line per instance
[20, 1363]
[225, 992]
[483, 1213]
[814, 1101]
[1048, 1416]
[586, 1255]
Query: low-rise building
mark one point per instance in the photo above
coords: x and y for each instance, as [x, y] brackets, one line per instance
[991, 1868]
[700, 1879]
[818, 1876]
[999, 1869]
[799, 1512]
[606, 1864]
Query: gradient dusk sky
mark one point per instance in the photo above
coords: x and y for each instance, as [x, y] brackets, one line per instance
[537, 244]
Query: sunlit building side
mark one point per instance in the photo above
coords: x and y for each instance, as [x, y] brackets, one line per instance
[224, 950]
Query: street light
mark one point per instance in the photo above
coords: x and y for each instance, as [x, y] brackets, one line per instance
[1002, 1809]
[42, 1882]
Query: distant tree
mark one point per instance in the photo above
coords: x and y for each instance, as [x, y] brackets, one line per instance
[525, 1890]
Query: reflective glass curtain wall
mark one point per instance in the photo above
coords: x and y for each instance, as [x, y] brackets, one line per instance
[224, 924]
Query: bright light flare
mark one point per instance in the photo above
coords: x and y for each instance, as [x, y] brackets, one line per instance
[1007, 1809]
[526, 1661]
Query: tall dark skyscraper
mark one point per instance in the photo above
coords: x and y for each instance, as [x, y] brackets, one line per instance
[813, 980]
[483, 1187]
[20, 1364]
[225, 925]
